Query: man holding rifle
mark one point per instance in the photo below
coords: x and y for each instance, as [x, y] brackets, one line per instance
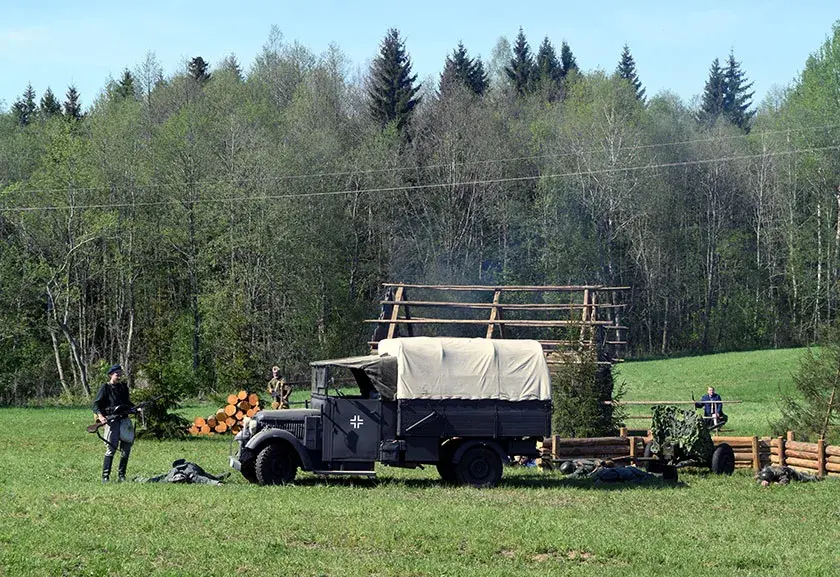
[110, 407]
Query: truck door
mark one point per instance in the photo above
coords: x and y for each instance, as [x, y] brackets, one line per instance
[352, 429]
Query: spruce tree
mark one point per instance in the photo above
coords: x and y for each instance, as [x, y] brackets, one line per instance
[50, 105]
[461, 70]
[736, 99]
[567, 59]
[125, 87]
[713, 96]
[627, 70]
[520, 70]
[198, 70]
[391, 89]
[24, 107]
[72, 106]
[549, 72]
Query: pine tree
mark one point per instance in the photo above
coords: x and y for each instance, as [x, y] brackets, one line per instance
[50, 106]
[736, 99]
[549, 73]
[520, 70]
[391, 89]
[627, 70]
[125, 87]
[198, 70]
[231, 64]
[25, 108]
[567, 59]
[461, 70]
[713, 95]
[72, 106]
[479, 80]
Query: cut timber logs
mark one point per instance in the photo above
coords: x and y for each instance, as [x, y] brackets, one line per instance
[228, 419]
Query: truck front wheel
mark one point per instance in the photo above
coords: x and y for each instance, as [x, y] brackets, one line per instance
[276, 465]
[479, 467]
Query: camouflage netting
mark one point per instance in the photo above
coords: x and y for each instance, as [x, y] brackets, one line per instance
[680, 435]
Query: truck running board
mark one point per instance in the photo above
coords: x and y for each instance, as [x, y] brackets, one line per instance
[369, 474]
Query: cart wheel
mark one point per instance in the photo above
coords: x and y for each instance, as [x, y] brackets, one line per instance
[446, 470]
[723, 460]
[276, 465]
[479, 467]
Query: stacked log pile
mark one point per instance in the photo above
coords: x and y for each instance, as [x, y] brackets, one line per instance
[595, 448]
[814, 458]
[228, 419]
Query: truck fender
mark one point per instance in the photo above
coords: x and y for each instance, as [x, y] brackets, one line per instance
[257, 442]
[466, 446]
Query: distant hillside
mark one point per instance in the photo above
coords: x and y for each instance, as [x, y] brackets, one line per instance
[756, 377]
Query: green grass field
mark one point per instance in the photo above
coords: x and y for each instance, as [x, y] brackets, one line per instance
[57, 519]
[756, 378]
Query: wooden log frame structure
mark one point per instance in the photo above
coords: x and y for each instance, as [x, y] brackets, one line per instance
[750, 452]
[585, 317]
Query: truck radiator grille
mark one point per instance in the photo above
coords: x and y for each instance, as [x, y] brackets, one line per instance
[297, 429]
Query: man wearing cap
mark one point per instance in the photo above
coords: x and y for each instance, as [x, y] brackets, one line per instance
[279, 390]
[119, 431]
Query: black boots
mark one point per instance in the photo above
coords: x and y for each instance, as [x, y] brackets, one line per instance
[106, 468]
[122, 467]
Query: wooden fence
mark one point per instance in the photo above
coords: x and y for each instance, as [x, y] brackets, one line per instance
[750, 452]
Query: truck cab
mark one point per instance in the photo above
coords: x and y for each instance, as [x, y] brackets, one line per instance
[463, 405]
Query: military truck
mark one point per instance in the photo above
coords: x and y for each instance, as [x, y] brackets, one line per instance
[463, 405]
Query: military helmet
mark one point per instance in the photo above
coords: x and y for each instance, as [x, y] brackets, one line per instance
[766, 474]
[567, 467]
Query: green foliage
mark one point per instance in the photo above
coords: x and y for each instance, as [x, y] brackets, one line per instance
[579, 391]
[813, 412]
[198, 70]
[680, 435]
[391, 89]
[737, 100]
[714, 95]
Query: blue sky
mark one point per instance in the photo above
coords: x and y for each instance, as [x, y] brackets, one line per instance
[55, 43]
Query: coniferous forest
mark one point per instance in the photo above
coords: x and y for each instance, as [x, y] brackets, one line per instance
[203, 226]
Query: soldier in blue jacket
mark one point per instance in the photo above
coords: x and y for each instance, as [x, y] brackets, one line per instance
[712, 406]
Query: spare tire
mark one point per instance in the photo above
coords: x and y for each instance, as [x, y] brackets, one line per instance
[723, 460]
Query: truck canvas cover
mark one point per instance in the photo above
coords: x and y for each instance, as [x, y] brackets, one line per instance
[460, 368]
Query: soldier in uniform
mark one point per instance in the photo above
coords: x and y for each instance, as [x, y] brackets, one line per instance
[119, 431]
[279, 390]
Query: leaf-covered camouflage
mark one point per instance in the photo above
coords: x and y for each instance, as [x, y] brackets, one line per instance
[680, 435]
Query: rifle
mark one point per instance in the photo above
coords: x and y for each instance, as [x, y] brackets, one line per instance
[122, 412]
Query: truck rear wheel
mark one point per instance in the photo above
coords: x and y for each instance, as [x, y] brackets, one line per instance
[276, 465]
[446, 470]
[479, 467]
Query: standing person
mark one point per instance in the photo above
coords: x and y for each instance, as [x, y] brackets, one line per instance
[119, 430]
[712, 409]
[279, 390]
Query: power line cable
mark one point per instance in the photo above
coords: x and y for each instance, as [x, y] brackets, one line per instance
[417, 187]
[280, 178]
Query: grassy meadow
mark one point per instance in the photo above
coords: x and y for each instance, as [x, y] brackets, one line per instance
[57, 519]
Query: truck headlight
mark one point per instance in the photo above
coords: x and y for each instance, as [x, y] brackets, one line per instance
[252, 426]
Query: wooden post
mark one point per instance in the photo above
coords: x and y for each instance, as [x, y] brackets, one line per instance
[584, 316]
[632, 447]
[495, 314]
[756, 458]
[821, 458]
[622, 432]
[791, 436]
[395, 312]
[782, 461]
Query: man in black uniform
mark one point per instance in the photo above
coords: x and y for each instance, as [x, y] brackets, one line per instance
[118, 430]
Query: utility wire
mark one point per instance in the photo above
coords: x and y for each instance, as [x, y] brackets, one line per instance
[280, 178]
[418, 187]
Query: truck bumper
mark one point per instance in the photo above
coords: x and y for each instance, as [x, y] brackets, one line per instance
[234, 462]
